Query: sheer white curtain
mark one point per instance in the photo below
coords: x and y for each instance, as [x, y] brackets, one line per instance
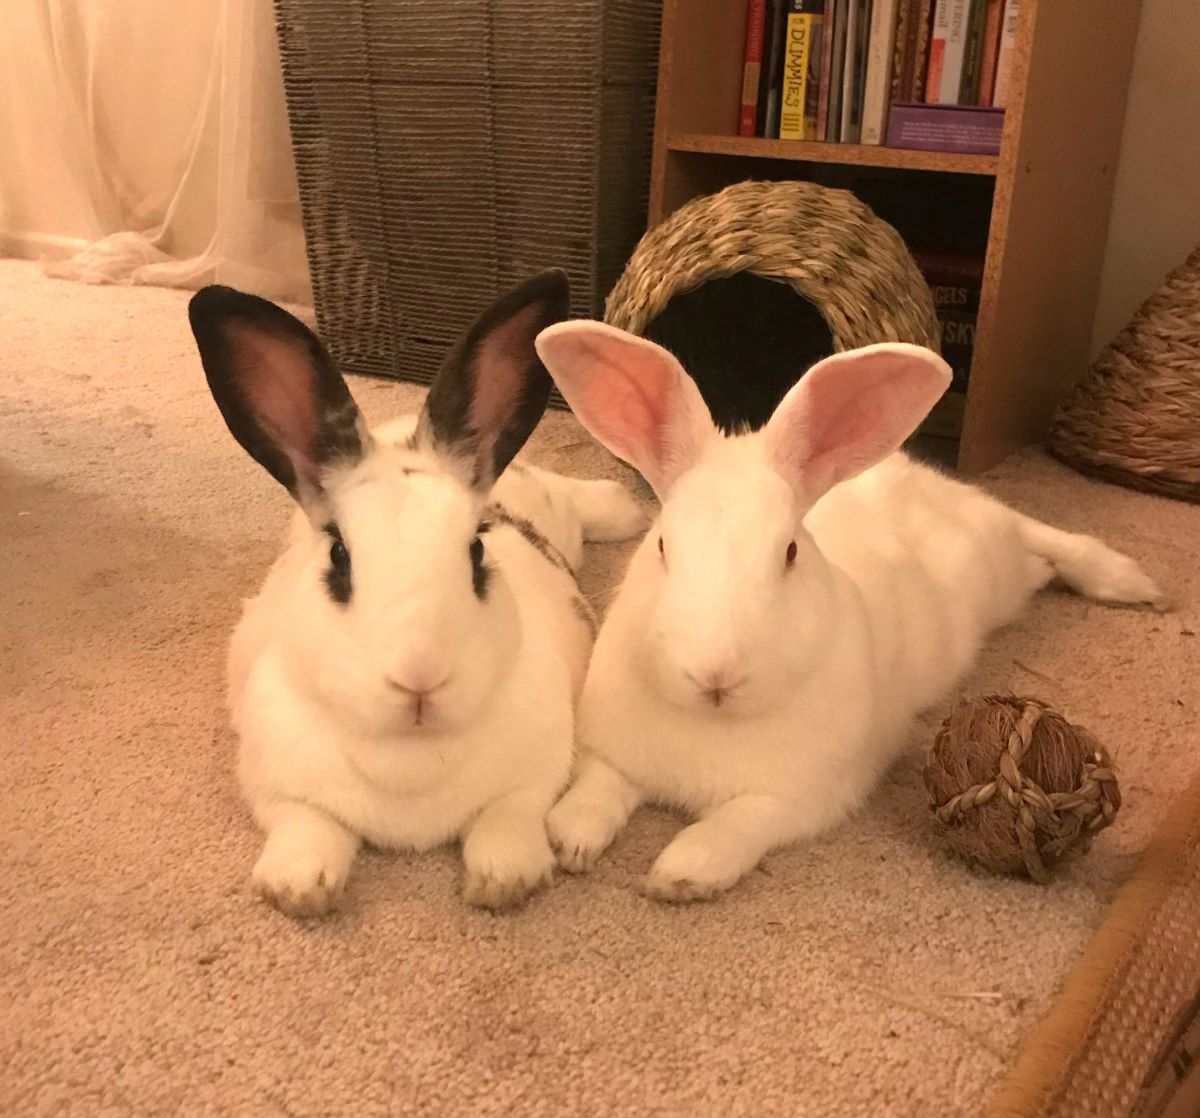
[146, 141]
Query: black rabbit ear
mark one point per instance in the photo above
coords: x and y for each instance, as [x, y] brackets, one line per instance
[277, 388]
[492, 388]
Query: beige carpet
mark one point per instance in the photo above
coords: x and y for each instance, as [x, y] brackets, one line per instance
[862, 975]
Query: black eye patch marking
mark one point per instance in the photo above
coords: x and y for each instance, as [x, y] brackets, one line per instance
[480, 571]
[337, 574]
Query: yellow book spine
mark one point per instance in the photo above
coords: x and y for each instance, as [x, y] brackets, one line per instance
[801, 31]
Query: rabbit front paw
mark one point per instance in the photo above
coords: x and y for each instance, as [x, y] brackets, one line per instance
[506, 855]
[692, 869]
[580, 831]
[299, 885]
[502, 876]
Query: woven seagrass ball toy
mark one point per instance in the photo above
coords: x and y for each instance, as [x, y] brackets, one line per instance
[1017, 788]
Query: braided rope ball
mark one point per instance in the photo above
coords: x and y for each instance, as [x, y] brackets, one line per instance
[1017, 788]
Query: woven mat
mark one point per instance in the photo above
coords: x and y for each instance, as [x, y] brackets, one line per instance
[1124, 1037]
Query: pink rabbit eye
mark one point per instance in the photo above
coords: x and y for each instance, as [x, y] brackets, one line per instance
[791, 553]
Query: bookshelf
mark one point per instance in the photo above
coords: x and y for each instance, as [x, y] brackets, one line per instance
[1042, 204]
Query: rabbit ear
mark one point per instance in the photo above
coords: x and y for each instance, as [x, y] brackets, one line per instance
[850, 411]
[491, 390]
[632, 395]
[276, 387]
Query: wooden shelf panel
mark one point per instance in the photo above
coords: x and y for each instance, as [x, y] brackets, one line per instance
[804, 151]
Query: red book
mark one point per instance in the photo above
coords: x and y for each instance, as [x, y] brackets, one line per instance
[755, 22]
[991, 51]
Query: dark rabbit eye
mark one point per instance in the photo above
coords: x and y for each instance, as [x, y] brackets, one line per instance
[791, 553]
[479, 571]
[337, 578]
[661, 550]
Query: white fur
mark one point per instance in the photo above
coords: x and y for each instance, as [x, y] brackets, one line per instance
[900, 575]
[329, 752]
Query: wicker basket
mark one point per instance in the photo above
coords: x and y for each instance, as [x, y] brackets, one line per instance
[446, 149]
[827, 244]
[1135, 417]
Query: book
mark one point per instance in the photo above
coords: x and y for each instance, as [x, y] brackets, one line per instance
[946, 47]
[955, 280]
[968, 86]
[823, 96]
[854, 69]
[833, 125]
[756, 18]
[921, 54]
[772, 70]
[801, 86]
[963, 129]
[877, 84]
[905, 15]
[991, 48]
[1004, 58]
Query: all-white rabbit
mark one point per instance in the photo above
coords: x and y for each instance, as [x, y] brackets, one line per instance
[407, 674]
[806, 591]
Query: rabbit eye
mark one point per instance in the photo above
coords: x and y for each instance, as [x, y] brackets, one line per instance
[480, 572]
[661, 549]
[791, 553]
[337, 577]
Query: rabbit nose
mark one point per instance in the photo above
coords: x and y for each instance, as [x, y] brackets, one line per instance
[417, 686]
[716, 684]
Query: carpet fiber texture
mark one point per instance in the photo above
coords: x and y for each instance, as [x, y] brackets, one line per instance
[863, 974]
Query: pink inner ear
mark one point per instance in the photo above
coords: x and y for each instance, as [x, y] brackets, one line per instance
[633, 396]
[630, 414]
[501, 366]
[851, 411]
[278, 389]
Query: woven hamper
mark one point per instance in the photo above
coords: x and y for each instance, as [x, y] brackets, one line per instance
[446, 149]
[829, 246]
[1135, 417]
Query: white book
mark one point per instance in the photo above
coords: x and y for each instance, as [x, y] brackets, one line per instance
[880, 48]
[947, 50]
[1008, 41]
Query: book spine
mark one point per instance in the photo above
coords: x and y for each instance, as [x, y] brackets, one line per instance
[752, 68]
[991, 48]
[845, 130]
[833, 129]
[879, 59]
[901, 50]
[968, 86]
[826, 69]
[801, 71]
[855, 70]
[946, 51]
[1004, 60]
[772, 78]
[916, 92]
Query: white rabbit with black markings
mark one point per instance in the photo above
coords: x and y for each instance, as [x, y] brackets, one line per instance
[806, 592]
[407, 674]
